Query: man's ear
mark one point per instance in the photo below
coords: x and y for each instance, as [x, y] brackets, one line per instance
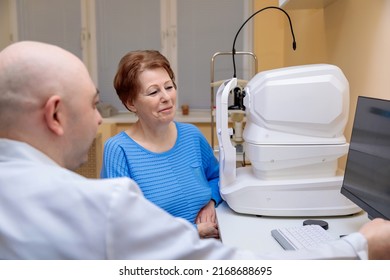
[54, 114]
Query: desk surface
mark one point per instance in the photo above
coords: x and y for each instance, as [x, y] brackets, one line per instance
[253, 233]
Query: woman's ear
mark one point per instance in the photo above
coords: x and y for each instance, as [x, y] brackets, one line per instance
[53, 112]
[130, 106]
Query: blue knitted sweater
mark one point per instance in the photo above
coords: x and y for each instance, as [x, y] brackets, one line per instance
[180, 181]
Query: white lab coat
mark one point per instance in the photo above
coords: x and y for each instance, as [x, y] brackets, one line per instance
[48, 212]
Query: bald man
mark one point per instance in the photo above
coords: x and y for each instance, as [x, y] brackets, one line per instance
[48, 119]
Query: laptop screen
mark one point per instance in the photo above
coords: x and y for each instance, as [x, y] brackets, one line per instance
[367, 173]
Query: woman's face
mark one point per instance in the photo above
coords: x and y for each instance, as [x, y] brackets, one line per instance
[156, 102]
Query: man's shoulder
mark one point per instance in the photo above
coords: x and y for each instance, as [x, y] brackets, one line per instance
[104, 186]
[120, 183]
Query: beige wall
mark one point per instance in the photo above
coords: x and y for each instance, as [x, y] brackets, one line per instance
[358, 41]
[4, 24]
[268, 32]
[352, 34]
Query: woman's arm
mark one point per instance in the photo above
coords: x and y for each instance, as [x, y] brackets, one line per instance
[211, 169]
[114, 163]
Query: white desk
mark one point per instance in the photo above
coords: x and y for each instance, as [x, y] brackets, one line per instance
[253, 233]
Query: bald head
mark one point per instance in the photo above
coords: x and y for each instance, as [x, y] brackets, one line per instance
[48, 100]
[30, 73]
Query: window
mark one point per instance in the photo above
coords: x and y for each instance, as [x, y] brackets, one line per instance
[100, 32]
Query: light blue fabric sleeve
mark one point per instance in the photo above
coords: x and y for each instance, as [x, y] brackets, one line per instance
[114, 159]
[211, 169]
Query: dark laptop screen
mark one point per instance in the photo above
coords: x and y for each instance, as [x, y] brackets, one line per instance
[367, 173]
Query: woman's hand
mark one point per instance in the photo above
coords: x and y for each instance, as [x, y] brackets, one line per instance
[207, 221]
[207, 213]
[208, 230]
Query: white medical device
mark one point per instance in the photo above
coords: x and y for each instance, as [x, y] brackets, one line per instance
[293, 137]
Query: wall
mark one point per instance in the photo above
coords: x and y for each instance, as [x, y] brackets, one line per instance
[358, 41]
[4, 24]
[268, 28]
[273, 39]
[352, 34]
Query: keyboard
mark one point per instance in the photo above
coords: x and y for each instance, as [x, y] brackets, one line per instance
[299, 237]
